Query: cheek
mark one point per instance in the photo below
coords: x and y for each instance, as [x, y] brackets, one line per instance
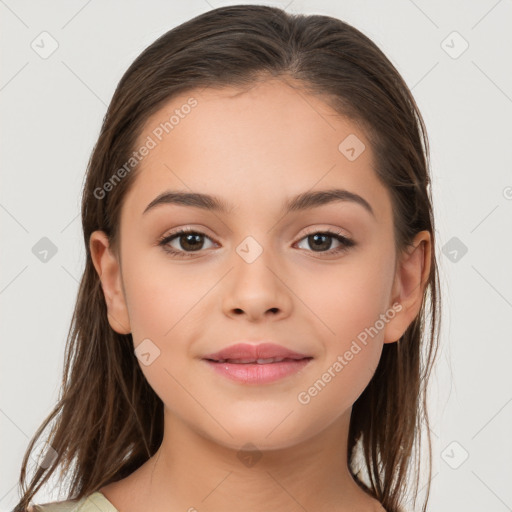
[349, 300]
[163, 298]
[342, 380]
[351, 309]
[165, 308]
[350, 297]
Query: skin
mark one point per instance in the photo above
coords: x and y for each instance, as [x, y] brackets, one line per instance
[255, 149]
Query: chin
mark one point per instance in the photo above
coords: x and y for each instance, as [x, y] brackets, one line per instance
[262, 435]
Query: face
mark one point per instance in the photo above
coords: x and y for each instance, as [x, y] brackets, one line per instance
[255, 271]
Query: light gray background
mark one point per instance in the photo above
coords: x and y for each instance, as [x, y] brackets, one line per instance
[52, 110]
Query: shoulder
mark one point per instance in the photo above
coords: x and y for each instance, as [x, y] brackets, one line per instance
[92, 503]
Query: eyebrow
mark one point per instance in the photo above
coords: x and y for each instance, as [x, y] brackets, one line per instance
[300, 202]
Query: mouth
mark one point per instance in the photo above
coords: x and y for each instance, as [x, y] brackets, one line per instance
[269, 360]
[258, 371]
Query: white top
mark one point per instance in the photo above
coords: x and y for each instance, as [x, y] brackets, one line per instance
[95, 502]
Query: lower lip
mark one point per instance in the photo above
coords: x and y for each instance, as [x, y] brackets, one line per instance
[249, 373]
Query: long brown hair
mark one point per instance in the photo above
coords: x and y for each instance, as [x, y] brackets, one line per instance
[108, 421]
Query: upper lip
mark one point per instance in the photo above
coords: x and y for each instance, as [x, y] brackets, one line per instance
[247, 351]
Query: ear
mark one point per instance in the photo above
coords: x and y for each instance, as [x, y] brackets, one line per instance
[413, 269]
[109, 271]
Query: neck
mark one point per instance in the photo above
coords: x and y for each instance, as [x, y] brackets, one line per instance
[192, 472]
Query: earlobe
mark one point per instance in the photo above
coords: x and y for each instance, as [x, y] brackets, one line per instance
[109, 272]
[411, 277]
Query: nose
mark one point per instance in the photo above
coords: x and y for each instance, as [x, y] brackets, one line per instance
[257, 291]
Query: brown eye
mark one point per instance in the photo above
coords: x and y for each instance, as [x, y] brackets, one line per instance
[321, 241]
[186, 242]
[190, 241]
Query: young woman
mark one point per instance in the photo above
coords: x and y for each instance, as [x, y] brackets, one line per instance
[251, 329]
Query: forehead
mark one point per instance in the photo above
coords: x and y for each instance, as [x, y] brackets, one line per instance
[252, 146]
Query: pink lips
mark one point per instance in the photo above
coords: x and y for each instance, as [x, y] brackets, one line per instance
[256, 364]
[254, 352]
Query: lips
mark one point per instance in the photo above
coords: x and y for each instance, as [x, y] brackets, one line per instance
[258, 365]
[264, 353]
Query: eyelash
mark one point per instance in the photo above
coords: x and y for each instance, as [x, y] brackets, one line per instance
[345, 242]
